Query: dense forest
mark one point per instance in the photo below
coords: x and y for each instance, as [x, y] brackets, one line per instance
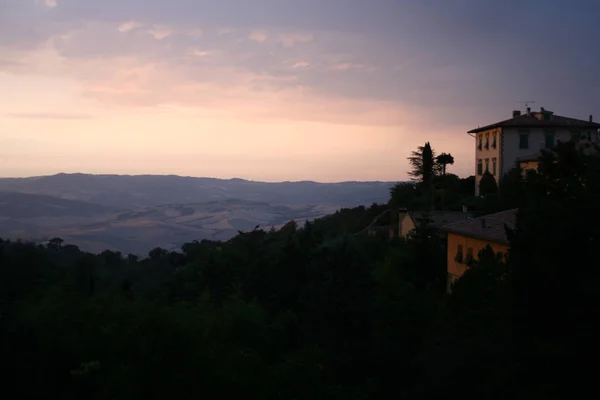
[323, 310]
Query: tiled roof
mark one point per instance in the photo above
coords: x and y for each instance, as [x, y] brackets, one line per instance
[439, 218]
[530, 121]
[488, 227]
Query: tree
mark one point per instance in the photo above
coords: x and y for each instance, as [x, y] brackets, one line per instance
[553, 272]
[55, 243]
[404, 195]
[487, 184]
[444, 159]
[422, 162]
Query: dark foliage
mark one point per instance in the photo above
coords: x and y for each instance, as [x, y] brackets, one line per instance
[443, 160]
[320, 311]
[488, 184]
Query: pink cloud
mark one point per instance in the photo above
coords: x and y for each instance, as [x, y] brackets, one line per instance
[291, 39]
[258, 36]
[51, 3]
[129, 26]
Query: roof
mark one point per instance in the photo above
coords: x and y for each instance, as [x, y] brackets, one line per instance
[439, 218]
[530, 121]
[488, 227]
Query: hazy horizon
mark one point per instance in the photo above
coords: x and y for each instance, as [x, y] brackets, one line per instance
[189, 176]
[278, 90]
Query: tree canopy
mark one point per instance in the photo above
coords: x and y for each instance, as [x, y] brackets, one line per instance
[319, 310]
[443, 160]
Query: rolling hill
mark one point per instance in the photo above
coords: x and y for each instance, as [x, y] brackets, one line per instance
[134, 214]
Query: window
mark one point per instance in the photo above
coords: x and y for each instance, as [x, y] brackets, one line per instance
[494, 162]
[524, 140]
[494, 140]
[487, 141]
[487, 165]
[547, 117]
[576, 136]
[549, 140]
[469, 257]
[459, 254]
[479, 167]
[480, 138]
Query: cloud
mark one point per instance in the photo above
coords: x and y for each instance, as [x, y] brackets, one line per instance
[129, 26]
[48, 115]
[198, 53]
[50, 3]
[345, 66]
[258, 36]
[195, 32]
[160, 32]
[414, 54]
[291, 39]
[301, 64]
[225, 31]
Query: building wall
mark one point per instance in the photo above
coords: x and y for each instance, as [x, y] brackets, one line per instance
[405, 225]
[490, 154]
[537, 142]
[456, 269]
[533, 164]
[526, 165]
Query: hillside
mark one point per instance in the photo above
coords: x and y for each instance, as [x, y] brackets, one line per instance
[134, 214]
[153, 190]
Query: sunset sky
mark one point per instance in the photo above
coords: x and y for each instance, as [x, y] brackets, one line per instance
[274, 90]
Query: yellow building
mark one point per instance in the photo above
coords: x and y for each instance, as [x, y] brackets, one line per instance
[467, 238]
[529, 162]
[499, 146]
[409, 220]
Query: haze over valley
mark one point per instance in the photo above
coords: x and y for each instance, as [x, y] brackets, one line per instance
[136, 213]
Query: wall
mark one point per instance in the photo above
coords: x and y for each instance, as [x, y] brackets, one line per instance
[455, 269]
[537, 142]
[489, 154]
[405, 225]
[525, 165]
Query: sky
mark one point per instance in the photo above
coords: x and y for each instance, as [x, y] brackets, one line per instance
[279, 90]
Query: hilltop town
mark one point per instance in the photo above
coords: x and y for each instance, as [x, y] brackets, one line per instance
[505, 153]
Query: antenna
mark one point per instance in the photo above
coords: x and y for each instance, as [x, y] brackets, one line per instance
[526, 102]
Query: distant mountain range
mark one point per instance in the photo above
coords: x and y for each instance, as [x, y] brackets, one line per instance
[134, 214]
[152, 190]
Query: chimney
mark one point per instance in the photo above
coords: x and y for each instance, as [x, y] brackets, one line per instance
[528, 110]
[542, 109]
[483, 223]
[516, 113]
[465, 208]
[591, 118]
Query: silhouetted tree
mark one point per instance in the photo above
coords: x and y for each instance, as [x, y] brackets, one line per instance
[422, 163]
[487, 184]
[552, 274]
[443, 160]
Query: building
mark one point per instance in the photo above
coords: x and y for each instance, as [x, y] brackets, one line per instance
[409, 220]
[388, 231]
[531, 161]
[467, 238]
[499, 146]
